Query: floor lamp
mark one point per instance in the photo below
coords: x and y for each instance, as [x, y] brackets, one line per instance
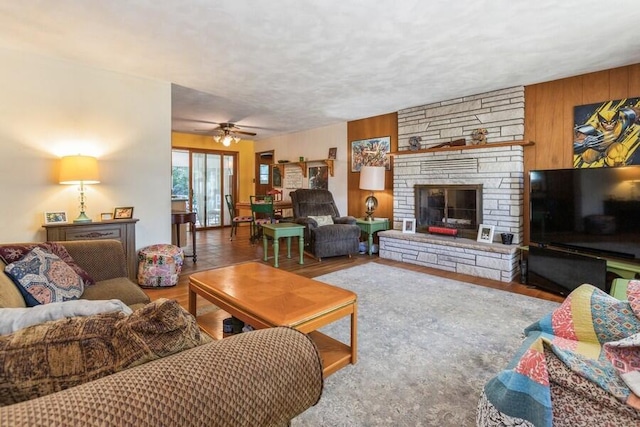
[372, 179]
[79, 170]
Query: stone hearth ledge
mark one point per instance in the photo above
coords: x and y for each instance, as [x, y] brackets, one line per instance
[489, 260]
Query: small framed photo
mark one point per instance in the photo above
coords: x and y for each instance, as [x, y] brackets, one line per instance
[333, 152]
[123, 213]
[409, 225]
[57, 217]
[485, 233]
[106, 216]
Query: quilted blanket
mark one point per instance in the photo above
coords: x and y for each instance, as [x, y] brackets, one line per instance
[592, 333]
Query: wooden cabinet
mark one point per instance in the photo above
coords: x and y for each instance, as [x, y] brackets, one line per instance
[120, 229]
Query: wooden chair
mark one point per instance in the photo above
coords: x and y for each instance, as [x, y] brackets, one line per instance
[262, 213]
[235, 218]
[277, 196]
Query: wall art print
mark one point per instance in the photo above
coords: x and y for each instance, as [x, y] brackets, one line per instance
[370, 152]
[607, 134]
[319, 177]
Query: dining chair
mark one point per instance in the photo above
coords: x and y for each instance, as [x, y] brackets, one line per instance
[262, 213]
[235, 218]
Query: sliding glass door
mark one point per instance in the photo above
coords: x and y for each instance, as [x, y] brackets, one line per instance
[212, 175]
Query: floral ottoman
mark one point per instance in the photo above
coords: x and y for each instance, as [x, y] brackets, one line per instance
[159, 265]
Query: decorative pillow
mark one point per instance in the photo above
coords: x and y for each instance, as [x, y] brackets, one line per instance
[14, 319]
[12, 253]
[45, 277]
[68, 352]
[624, 355]
[633, 295]
[322, 220]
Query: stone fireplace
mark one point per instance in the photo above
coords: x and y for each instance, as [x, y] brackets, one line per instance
[497, 168]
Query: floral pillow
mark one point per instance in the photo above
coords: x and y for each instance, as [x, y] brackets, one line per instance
[15, 252]
[45, 278]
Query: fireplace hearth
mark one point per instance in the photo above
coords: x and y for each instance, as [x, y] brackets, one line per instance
[455, 206]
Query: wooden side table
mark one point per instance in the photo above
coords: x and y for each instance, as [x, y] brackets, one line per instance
[370, 227]
[282, 229]
[118, 229]
[178, 218]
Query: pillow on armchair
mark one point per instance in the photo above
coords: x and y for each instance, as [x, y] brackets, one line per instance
[322, 220]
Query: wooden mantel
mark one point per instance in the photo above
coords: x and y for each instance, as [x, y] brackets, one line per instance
[462, 147]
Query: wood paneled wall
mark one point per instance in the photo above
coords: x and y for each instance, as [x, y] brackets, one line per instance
[372, 127]
[549, 116]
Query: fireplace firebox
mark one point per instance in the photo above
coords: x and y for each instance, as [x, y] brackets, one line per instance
[450, 206]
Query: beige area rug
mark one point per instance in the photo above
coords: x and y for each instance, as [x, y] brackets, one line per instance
[426, 347]
[206, 309]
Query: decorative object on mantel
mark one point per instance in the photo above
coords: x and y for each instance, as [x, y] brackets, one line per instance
[446, 231]
[455, 143]
[415, 143]
[371, 178]
[79, 170]
[409, 225]
[479, 136]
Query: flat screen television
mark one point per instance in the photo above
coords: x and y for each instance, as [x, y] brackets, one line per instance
[561, 272]
[591, 211]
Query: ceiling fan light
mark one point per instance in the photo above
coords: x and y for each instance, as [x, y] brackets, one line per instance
[226, 141]
[217, 138]
[236, 139]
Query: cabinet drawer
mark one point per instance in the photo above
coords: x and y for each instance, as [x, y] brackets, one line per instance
[95, 233]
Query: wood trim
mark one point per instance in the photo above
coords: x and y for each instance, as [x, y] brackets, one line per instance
[463, 147]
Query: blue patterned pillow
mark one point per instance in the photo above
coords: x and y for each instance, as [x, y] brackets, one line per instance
[44, 277]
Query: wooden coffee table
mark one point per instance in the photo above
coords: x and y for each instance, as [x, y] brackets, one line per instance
[265, 297]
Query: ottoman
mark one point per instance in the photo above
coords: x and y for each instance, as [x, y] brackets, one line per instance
[159, 265]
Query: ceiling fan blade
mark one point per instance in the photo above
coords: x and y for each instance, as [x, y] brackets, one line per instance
[243, 132]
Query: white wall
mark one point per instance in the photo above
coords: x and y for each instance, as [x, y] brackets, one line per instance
[314, 144]
[52, 108]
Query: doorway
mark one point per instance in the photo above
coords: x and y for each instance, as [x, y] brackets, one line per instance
[264, 163]
[202, 178]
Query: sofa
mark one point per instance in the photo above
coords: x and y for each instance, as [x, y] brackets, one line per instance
[259, 378]
[326, 233]
[578, 366]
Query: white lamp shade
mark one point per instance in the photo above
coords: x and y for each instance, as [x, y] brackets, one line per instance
[79, 169]
[372, 178]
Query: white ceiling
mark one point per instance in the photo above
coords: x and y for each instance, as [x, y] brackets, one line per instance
[281, 66]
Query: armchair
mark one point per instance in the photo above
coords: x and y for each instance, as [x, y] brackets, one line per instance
[339, 236]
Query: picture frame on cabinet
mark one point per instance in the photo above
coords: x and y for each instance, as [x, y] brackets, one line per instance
[106, 216]
[55, 217]
[123, 212]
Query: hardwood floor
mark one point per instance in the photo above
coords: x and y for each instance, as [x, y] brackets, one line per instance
[214, 249]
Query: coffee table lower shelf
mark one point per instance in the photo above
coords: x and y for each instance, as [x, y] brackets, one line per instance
[335, 355]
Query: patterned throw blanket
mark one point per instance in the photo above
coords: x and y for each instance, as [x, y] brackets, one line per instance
[594, 334]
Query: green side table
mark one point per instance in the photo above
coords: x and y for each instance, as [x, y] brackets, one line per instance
[370, 227]
[279, 230]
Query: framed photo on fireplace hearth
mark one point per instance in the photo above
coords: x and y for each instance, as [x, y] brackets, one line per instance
[409, 225]
[485, 233]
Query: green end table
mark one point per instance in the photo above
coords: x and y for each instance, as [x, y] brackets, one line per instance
[370, 227]
[279, 230]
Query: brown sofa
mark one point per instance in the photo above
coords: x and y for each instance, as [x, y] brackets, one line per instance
[258, 378]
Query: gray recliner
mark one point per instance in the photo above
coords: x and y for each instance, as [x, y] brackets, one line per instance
[340, 238]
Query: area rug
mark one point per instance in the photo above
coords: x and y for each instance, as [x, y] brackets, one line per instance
[426, 346]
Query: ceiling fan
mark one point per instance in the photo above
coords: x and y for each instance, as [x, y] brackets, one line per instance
[229, 132]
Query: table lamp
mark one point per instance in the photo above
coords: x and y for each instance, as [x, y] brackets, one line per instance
[372, 179]
[79, 170]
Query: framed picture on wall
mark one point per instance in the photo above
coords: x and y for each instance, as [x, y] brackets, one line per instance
[370, 152]
[333, 152]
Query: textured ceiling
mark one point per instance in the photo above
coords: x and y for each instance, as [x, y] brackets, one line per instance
[281, 66]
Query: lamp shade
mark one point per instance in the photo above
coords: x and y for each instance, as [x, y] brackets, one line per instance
[372, 178]
[79, 169]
